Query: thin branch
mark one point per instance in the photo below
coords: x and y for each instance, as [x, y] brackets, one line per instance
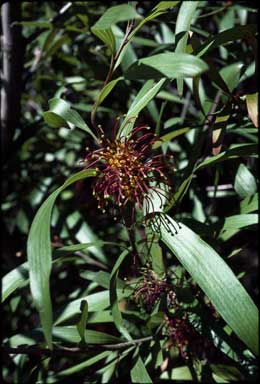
[59, 350]
[211, 117]
[113, 61]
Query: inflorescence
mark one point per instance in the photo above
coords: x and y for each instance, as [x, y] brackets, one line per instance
[127, 171]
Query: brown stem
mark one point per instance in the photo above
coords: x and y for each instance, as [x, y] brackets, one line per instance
[113, 61]
[59, 350]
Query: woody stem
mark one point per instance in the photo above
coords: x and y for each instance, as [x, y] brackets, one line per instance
[113, 61]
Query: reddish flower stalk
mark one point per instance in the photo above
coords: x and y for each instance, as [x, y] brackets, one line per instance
[128, 173]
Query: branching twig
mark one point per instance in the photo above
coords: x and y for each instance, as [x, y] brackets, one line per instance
[211, 117]
[61, 350]
[113, 61]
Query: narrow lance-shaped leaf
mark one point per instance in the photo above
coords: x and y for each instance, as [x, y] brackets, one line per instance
[237, 151]
[158, 10]
[225, 37]
[113, 296]
[81, 326]
[214, 277]
[102, 28]
[185, 15]
[107, 89]
[96, 302]
[19, 276]
[61, 114]
[145, 95]
[16, 278]
[139, 373]
[245, 184]
[39, 255]
[171, 65]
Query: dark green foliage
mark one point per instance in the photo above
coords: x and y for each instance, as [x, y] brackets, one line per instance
[92, 296]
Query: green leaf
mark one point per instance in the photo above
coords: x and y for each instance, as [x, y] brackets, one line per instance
[145, 95]
[231, 75]
[61, 114]
[171, 65]
[240, 221]
[232, 153]
[157, 259]
[96, 302]
[139, 373]
[106, 36]
[86, 363]
[102, 278]
[107, 89]
[115, 14]
[239, 150]
[39, 255]
[128, 55]
[160, 9]
[181, 373]
[215, 278]
[226, 37]
[17, 278]
[83, 233]
[113, 296]
[170, 136]
[183, 22]
[252, 103]
[215, 76]
[102, 28]
[100, 317]
[70, 334]
[38, 24]
[81, 246]
[249, 204]
[66, 334]
[245, 184]
[233, 223]
[225, 373]
[164, 5]
[81, 326]
[57, 44]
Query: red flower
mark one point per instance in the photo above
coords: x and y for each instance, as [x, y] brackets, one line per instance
[127, 170]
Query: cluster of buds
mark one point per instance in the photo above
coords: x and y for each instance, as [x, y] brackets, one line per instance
[180, 334]
[127, 171]
[183, 336]
[150, 290]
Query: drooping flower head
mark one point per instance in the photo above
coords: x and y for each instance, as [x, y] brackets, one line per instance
[183, 336]
[150, 289]
[127, 170]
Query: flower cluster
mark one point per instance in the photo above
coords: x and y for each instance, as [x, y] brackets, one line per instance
[180, 333]
[150, 290]
[127, 172]
[186, 339]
